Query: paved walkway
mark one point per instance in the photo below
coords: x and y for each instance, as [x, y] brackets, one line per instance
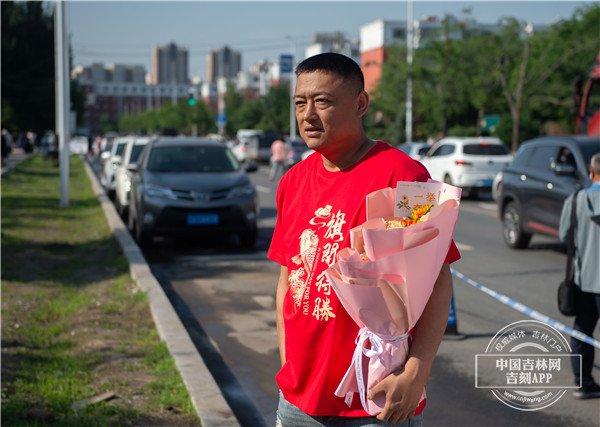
[15, 157]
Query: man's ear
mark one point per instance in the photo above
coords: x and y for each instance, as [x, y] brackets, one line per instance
[362, 103]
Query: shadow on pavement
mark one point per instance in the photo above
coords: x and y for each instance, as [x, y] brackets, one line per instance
[241, 405]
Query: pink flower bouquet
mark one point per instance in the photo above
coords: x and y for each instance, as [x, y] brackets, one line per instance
[385, 278]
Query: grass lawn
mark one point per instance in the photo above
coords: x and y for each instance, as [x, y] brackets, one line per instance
[74, 325]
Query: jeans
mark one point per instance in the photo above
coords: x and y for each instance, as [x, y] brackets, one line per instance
[289, 415]
[588, 308]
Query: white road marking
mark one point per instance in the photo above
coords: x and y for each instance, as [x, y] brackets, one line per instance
[262, 189]
[489, 206]
[464, 247]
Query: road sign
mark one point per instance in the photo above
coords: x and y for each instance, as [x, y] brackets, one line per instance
[490, 123]
[286, 63]
[222, 119]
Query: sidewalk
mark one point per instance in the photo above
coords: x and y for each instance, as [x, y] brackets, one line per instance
[79, 345]
[17, 156]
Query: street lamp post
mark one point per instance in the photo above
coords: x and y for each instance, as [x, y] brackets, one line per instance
[62, 92]
[293, 131]
[409, 61]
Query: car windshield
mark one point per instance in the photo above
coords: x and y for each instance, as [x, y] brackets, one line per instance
[120, 148]
[198, 158]
[423, 150]
[135, 153]
[485, 150]
[588, 151]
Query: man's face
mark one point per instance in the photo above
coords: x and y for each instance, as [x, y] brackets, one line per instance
[328, 109]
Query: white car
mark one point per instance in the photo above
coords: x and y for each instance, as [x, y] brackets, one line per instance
[470, 163]
[416, 149]
[111, 163]
[78, 145]
[132, 152]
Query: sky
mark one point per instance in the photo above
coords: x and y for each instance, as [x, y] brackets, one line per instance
[125, 32]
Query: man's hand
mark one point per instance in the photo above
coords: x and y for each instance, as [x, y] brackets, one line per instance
[404, 388]
[402, 393]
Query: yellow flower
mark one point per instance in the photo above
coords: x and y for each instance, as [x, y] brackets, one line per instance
[419, 210]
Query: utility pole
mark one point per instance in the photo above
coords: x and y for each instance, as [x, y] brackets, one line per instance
[293, 132]
[62, 92]
[409, 61]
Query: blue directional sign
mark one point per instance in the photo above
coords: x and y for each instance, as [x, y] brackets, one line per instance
[222, 119]
[286, 63]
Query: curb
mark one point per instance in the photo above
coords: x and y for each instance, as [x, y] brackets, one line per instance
[208, 401]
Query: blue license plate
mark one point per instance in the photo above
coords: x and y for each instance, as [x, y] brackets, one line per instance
[203, 219]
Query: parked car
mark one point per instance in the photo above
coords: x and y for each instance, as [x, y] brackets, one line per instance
[255, 145]
[111, 163]
[191, 186]
[296, 147]
[470, 163]
[416, 149]
[544, 173]
[130, 155]
[78, 145]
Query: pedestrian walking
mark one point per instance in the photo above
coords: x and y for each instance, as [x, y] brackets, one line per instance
[278, 157]
[586, 274]
[318, 201]
[4, 149]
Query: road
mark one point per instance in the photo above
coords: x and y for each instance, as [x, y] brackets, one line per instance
[225, 296]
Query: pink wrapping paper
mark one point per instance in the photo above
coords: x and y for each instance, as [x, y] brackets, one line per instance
[386, 294]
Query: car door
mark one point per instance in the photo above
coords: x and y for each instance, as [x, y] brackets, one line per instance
[512, 182]
[560, 185]
[137, 179]
[438, 162]
[534, 187]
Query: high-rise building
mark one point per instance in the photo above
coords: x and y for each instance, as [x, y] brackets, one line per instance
[332, 42]
[116, 73]
[118, 89]
[169, 64]
[224, 62]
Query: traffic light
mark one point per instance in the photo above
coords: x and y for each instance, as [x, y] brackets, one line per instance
[192, 101]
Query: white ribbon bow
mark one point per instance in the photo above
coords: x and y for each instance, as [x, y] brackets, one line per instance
[376, 349]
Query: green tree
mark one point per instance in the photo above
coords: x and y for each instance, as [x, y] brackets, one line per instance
[249, 115]
[276, 110]
[27, 66]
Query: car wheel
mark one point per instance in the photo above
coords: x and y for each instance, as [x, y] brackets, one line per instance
[143, 237]
[248, 238]
[512, 227]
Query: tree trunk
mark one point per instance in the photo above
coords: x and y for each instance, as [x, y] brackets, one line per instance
[516, 124]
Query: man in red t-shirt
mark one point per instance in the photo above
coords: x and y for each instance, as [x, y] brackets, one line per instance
[318, 201]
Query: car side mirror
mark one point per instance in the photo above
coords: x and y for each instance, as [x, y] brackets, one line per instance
[564, 170]
[105, 155]
[132, 167]
[251, 167]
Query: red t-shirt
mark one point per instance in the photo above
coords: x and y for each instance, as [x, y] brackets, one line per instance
[316, 209]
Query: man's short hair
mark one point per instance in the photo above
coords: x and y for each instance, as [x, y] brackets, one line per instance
[334, 63]
[595, 164]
